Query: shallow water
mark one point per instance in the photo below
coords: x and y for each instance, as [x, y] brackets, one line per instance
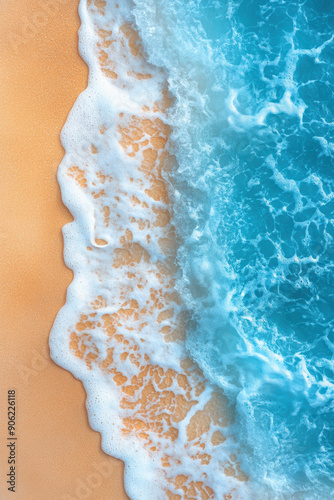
[240, 95]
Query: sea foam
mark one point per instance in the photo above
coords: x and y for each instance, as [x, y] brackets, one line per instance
[122, 329]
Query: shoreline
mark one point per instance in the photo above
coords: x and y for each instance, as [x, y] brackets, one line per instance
[58, 454]
[122, 329]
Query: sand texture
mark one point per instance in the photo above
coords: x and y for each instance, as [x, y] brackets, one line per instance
[58, 455]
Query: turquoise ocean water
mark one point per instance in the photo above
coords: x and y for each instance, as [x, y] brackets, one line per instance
[253, 194]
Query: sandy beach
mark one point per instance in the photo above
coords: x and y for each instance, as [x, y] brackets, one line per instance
[58, 455]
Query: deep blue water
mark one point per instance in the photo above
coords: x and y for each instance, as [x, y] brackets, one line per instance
[254, 195]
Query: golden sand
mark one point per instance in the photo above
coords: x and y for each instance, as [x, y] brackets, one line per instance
[58, 455]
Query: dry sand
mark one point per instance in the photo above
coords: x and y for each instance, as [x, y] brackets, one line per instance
[41, 76]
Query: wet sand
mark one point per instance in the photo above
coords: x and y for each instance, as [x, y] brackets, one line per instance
[58, 455]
